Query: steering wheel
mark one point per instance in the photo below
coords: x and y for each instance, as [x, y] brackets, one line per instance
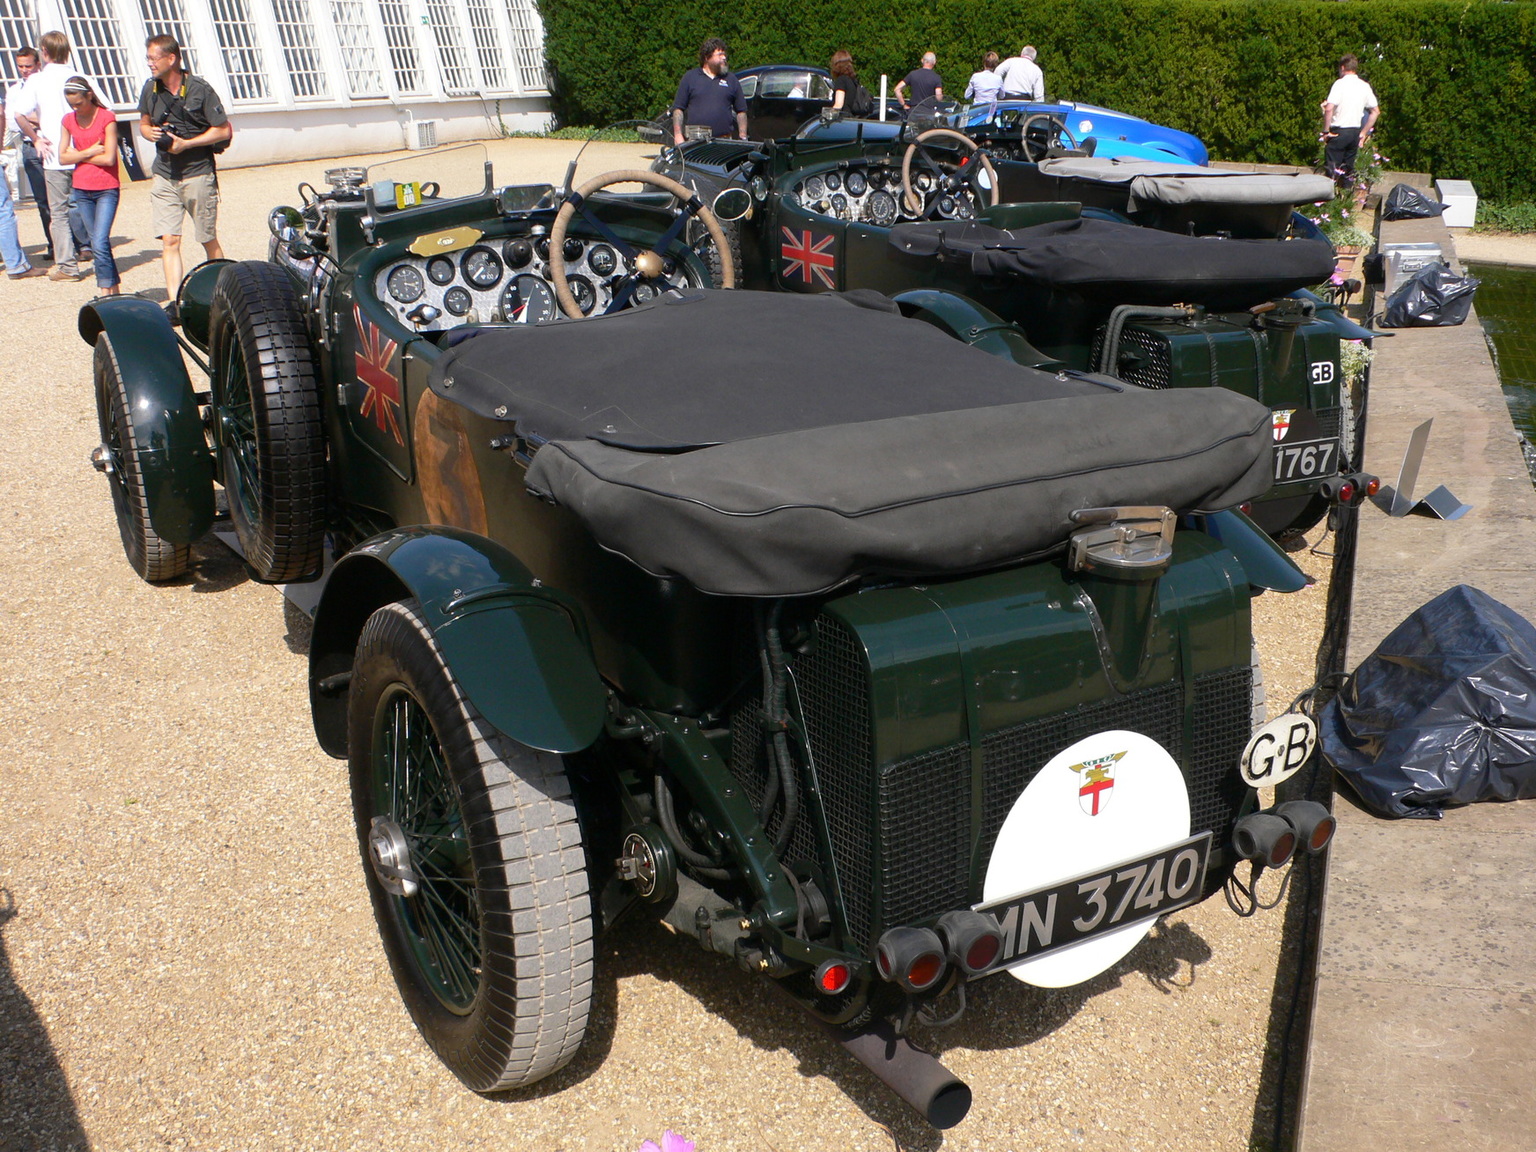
[966, 175]
[1038, 149]
[644, 264]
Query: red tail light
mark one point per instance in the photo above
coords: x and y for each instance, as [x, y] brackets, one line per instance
[833, 976]
[911, 957]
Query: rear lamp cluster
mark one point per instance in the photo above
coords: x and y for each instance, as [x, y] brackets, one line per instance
[917, 958]
[1349, 490]
[1270, 838]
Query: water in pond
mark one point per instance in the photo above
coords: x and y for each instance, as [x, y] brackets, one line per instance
[1506, 305]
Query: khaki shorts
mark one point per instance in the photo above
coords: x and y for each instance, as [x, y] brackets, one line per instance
[196, 196]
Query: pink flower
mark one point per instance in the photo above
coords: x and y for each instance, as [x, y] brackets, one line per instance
[670, 1142]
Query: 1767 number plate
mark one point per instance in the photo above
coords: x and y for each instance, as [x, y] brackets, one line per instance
[1307, 460]
[1036, 923]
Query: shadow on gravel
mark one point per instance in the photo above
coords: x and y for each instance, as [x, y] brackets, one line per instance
[214, 567]
[300, 628]
[1003, 1014]
[124, 261]
[36, 1108]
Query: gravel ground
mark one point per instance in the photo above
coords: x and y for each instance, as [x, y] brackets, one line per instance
[188, 959]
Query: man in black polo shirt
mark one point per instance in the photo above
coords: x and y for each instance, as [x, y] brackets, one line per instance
[711, 96]
[924, 83]
[184, 117]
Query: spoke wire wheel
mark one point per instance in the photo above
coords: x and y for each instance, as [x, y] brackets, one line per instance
[492, 953]
[268, 423]
[725, 267]
[910, 199]
[152, 556]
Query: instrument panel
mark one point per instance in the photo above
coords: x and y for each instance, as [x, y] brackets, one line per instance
[871, 194]
[507, 281]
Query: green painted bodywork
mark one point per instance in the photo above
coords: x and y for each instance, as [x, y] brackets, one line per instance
[970, 323]
[172, 450]
[514, 648]
[194, 299]
[1265, 563]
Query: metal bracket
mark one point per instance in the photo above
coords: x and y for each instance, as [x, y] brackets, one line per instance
[1127, 539]
[1397, 500]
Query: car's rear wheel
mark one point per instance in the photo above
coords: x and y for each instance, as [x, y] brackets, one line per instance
[474, 861]
[269, 425]
[152, 556]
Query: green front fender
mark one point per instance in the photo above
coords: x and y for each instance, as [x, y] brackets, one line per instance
[171, 447]
[517, 651]
[1264, 562]
[973, 324]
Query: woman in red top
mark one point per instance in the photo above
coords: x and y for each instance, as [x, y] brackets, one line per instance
[90, 133]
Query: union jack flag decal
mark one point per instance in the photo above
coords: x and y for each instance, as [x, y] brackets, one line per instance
[808, 258]
[375, 359]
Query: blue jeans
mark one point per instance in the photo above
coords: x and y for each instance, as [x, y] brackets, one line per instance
[10, 246]
[98, 208]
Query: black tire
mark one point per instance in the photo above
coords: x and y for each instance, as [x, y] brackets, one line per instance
[498, 849]
[268, 421]
[699, 240]
[152, 556]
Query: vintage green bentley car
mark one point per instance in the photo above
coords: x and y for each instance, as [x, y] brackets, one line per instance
[878, 664]
[1165, 275]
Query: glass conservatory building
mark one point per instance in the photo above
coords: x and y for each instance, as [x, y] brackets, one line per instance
[304, 79]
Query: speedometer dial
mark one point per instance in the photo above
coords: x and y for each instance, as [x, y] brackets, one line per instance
[881, 207]
[482, 267]
[405, 284]
[527, 300]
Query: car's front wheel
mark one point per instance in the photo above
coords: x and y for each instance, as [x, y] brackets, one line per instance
[475, 864]
[152, 556]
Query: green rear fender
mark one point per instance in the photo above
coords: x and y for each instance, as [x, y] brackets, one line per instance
[194, 299]
[969, 322]
[1264, 562]
[172, 449]
[518, 652]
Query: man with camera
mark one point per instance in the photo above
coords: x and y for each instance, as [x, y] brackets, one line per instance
[185, 119]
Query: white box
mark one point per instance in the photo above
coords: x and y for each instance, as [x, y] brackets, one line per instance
[420, 134]
[1460, 200]
[1403, 260]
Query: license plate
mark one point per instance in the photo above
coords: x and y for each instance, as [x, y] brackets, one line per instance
[1049, 919]
[1308, 460]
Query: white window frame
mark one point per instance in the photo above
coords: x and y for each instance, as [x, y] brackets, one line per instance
[325, 66]
[536, 29]
[371, 25]
[18, 26]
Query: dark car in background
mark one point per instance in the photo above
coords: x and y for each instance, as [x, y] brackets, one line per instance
[780, 98]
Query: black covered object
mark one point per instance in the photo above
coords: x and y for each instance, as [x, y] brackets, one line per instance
[1442, 713]
[1125, 264]
[1405, 202]
[1435, 297]
[759, 444]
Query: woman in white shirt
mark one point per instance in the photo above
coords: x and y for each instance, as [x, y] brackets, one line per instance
[984, 85]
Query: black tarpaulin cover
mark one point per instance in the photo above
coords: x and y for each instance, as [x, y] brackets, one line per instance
[1442, 713]
[1405, 202]
[762, 444]
[1125, 264]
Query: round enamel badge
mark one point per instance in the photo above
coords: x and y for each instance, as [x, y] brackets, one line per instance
[1094, 843]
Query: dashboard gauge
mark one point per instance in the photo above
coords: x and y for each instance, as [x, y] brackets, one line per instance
[877, 177]
[834, 181]
[963, 209]
[791, 197]
[541, 246]
[814, 188]
[571, 250]
[517, 253]
[586, 295]
[923, 181]
[405, 284]
[482, 267]
[440, 270]
[856, 183]
[602, 260]
[644, 292]
[527, 300]
[840, 205]
[882, 208]
[946, 205]
[458, 301]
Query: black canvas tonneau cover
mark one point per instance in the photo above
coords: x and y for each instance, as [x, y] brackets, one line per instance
[757, 444]
[1124, 264]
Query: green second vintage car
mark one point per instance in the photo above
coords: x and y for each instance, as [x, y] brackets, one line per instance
[877, 663]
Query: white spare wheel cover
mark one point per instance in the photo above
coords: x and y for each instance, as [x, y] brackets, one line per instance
[1110, 797]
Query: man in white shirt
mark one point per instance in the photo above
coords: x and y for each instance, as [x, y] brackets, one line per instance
[1020, 77]
[39, 112]
[1349, 118]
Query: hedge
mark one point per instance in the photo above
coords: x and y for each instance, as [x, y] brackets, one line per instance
[1247, 76]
